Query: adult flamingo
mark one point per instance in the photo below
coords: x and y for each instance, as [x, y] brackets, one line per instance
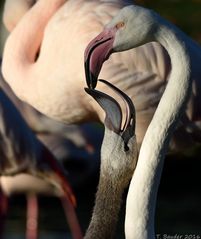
[48, 85]
[67, 143]
[142, 73]
[132, 27]
[70, 144]
[22, 152]
[43, 125]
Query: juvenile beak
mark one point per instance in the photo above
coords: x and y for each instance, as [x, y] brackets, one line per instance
[113, 111]
[98, 51]
[111, 107]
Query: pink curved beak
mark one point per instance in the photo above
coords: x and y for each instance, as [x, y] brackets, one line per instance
[98, 51]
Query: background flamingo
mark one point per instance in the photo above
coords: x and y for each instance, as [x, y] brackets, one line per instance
[143, 78]
[67, 143]
[134, 74]
[21, 152]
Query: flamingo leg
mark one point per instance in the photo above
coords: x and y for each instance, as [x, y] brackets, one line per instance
[32, 217]
[3, 212]
[71, 217]
[68, 200]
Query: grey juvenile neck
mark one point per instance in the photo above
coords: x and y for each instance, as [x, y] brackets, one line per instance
[106, 209]
[117, 168]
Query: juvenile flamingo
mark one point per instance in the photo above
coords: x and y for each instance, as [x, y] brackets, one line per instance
[118, 161]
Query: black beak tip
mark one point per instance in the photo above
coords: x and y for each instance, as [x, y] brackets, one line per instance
[87, 90]
[90, 91]
[92, 81]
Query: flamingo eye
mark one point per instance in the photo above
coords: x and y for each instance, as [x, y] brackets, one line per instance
[120, 25]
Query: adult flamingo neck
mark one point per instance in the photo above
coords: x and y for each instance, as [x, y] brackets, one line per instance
[28, 33]
[23, 44]
[142, 195]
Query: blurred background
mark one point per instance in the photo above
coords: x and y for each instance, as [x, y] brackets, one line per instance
[179, 199]
[184, 14]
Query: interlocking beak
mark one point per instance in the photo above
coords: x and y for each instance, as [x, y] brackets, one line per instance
[113, 111]
[98, 51]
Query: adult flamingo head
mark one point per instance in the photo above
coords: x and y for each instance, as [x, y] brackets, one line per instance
[131, 27]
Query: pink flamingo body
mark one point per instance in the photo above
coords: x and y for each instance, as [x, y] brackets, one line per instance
[25, 157]
[62, 29]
